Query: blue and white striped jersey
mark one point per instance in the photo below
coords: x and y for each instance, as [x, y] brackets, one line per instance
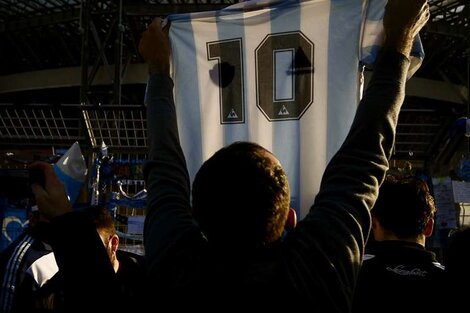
[284, 74]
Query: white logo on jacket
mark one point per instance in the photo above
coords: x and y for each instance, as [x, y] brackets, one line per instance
[400, 270]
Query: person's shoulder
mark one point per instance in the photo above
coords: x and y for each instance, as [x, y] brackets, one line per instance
[9, 250]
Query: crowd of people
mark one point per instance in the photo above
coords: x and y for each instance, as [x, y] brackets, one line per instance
[30, 275]
[203, 251]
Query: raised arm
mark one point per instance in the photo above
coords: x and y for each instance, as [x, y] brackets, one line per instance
[168, 214]
[339, 221]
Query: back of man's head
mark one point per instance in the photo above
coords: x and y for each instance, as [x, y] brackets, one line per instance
[404, 206]
[241, 196]
[102, 219]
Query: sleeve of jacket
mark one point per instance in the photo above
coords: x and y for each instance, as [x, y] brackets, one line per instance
[327, 245]
[168, 217]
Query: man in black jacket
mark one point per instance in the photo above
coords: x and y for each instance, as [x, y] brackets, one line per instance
[129, 267]
[93, 273]
[227, 247]
[398, 272]
[231, 254]
[25, 266]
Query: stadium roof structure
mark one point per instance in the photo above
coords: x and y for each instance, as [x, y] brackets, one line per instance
[69, 71]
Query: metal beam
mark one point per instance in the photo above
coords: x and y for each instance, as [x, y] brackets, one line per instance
[166, 9]
[40, 20]
[67, 77]
[85, 31]
[128, 9]
[118, 57]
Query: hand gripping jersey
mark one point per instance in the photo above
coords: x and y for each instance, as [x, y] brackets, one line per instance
[284, 74]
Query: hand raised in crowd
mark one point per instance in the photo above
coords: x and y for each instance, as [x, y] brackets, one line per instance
[401, 26]
[154, 46]
[51, 198]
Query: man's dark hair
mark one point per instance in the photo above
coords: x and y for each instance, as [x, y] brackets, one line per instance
[404, 206]
[241, 196]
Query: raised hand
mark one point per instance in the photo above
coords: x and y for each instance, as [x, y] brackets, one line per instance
[51, 198]
[402, 22]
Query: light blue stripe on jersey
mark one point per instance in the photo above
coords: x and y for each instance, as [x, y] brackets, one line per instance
[417, 50]
[185, 74]
[286, 145]
[342, 66]
[372, 25]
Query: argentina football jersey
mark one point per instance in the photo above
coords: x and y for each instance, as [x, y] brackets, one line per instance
[284, 74]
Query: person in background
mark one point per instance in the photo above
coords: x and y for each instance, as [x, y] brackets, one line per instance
[399, 272]
[25, 266]
[227, 246]
[93, 273]
[226, 250]
[129, 267]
